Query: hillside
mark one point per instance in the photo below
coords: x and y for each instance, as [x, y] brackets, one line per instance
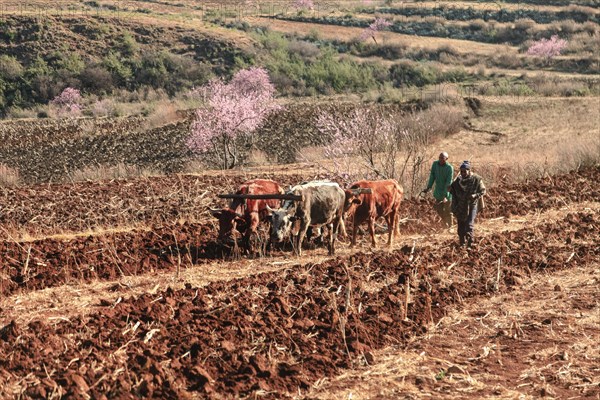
[116, 117]
[101, 55]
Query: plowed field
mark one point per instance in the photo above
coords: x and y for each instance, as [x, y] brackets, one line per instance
[270, 327]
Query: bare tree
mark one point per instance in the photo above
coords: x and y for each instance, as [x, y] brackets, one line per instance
[386, 145]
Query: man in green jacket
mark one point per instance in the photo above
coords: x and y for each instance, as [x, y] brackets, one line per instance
[441, 174]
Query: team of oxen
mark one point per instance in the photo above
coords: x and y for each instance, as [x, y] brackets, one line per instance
[307, 208]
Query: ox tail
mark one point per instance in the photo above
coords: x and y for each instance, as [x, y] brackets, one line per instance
[400, 194]
[342, 228]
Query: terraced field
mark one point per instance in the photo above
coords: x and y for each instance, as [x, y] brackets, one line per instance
[113, 285]
[270, 327]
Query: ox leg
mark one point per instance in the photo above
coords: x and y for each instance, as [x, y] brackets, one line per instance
[372, 231]
[246, 241]
[354, 229]
[391, 221]
[300, 237]
[342, 228]
[333, 227]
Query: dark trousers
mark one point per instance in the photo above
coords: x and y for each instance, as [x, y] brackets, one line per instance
[444, 211]
[465, 227]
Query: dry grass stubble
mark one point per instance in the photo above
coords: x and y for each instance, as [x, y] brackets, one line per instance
[553, 321]
[529, 136]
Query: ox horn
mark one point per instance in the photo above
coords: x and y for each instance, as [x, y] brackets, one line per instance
[215, 212]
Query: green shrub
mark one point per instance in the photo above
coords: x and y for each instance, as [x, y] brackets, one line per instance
[120, 70]
[10, 68]
[305, 50]
[97, 79]
[70, 62]
[127, 45]
[272, 40]
[407, 73]
[458, 74]
[41, 113]
[37, 67]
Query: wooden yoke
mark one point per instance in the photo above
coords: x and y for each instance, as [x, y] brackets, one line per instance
[358, 191]
[274, 196]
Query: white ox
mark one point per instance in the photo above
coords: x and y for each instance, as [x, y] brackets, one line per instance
[322, 204]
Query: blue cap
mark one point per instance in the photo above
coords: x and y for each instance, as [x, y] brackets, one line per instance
[465, 165]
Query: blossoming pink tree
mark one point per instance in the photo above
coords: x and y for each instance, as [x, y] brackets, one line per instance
[547, 48]
[375, 143]
[303, 5]
[363, 139]
[378, 25]
[68, 103]
[231, 110]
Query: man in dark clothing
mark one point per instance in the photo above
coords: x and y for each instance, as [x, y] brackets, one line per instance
[441, 174]
[466, 191]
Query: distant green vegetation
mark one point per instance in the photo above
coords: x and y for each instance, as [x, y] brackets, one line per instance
[297, 66]
[25, 85]
[478, 30]
[305, 66]
[301, 68]
[448, 55]
[41, 57]
[492, 13]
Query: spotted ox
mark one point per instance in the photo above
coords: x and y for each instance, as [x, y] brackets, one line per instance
[322, 204]
[383, 201]
[245, 215]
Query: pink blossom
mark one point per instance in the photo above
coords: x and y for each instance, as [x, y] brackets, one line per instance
[547, 48]
[253, 81]
[359, 135]
[378, 25]
[68, 102]
[231, 109]
[303, 4]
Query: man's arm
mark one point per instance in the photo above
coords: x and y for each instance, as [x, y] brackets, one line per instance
[481, 188]
[431, 177]
[452, 191]
[449, 177]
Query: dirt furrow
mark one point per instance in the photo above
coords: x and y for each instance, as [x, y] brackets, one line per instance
[45, 263]
[275, 334]
[539, 340]
[81, 207]
[77, 297]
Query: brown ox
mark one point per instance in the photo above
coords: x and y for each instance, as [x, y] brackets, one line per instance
[384, 201]
[244, 215]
